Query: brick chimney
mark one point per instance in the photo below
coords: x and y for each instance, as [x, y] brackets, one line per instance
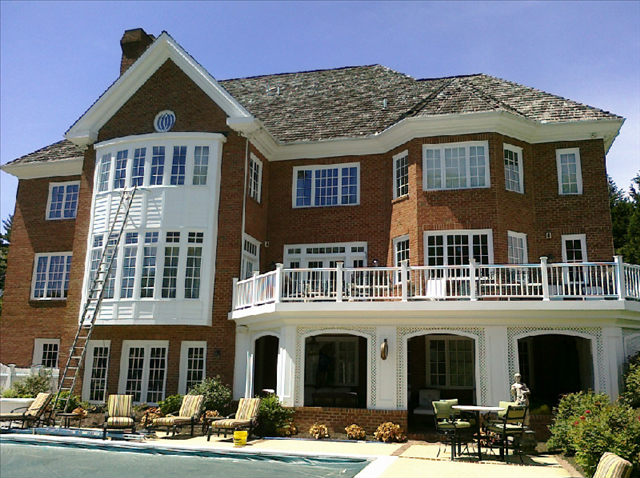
[133, 43]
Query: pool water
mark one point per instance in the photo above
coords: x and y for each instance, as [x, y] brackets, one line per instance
[32, 458]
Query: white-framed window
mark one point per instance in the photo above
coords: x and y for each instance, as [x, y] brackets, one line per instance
[193, 362]
[194, 265]
[149, 258]
[456, 165]
[326, 185]
[128, 272]
[104, 169]
[336, 364]
[401, 174]
[574, 248]
[517, 247]
[120, 171]
[352, 254]
[200, 165]
[178, 165]
[171, 260]
[449, 248]
[569, 171]
[63, 200]
[143, 369]
[250, 256]
[255, 177]
[513, 168]
[450, 361]
[157, 166]
[400, 252]
[51, 276]
[46, 352]
[94, 385]
[137, 169]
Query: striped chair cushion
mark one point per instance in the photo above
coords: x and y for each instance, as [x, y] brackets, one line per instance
[248, 408]
[191, 405]
[39, 404]
[230, 423]
[120, 405]
[170, 421]
[119, 422]
[612, 466]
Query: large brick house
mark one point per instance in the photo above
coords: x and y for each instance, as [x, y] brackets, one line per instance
[345, 237]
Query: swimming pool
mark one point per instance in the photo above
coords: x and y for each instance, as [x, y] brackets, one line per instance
[24, 456]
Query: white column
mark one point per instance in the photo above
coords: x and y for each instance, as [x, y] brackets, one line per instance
[285, 388]
[498, 380]
[614, 358]
[243, 345]
[386, 370]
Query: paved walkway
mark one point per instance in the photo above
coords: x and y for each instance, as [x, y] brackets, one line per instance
[412, 459]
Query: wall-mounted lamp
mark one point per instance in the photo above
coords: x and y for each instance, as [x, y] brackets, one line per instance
[384, 350]
[217, 353]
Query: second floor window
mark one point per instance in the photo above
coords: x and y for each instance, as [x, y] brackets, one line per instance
[517, 247]
[157, 166]
[456, 165]
[200, 165]
[569, 171]
[51, 273]
[137, 172]
[452, 248]
[335, 185]
[63, 200]
[178, 165]
[120, 172]
[513, 168]
[400, 175]
[255, 178]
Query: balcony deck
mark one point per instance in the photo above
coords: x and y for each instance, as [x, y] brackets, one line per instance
[473, 282]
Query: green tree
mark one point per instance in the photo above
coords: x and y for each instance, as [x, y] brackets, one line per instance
[630, 250]
[621, 210]
[5, 238]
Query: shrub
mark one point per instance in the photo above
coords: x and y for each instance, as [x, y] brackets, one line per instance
[170, 404]
[217, 396]
[571, 407]
[631, 393]
[389, 432]
[355, 432]
[149, 415]
[74, 402]
[319, 431]
[273, 418]
[30, 386]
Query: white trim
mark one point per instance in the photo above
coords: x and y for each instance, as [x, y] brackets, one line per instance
[124, 366]
[184, 348]
[45, 169]
[320, 167]
[304, 257]
[64, 201]
[447, 338]
[575, 151]
[257, 192]
[396, 158]
[84, 130]
[583, 245]
[38, 345]
[523, 236]
[35, 271]
[467, 232]
[248, 257]
[88, 368]
[463, 144]
[395, 241]
[518, 151]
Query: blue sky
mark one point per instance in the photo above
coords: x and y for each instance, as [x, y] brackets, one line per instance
[58, 57]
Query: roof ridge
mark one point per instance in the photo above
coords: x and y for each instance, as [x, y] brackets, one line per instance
[306, 71]
[493, 98]
[450, 77]
[420, 105]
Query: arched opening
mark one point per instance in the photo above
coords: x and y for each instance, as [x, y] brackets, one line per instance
[266, 364]
[335, 371]
[554, 364]
[439, 366]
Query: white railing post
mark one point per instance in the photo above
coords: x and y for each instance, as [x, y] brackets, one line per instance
[544, 277]
[12, 375]
[339, 272]
[277, 287]
[254, 291]
[620, 278]
[404, 279]
[472, 279]
[234, 294]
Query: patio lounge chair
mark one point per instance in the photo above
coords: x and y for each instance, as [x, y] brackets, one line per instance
[449, 426]
[612, 466]
[510, 424]
[188, 414]
[32, 415]
[245, 418]
[119, 414]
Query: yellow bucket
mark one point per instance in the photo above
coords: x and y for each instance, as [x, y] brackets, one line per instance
[240, 438]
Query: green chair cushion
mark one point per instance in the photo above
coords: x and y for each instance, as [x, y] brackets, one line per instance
[448, 425]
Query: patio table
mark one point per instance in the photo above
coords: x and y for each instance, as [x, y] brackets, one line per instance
[478, 409]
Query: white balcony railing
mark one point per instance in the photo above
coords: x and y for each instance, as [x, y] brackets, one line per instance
[543, 281]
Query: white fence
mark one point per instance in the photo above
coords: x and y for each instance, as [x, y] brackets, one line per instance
[10, 374]
[543, 281]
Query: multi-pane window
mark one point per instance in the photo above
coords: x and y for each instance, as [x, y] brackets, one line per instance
[194, 263]
[96, 253]
[128, 265]
[110, 284]
[200, 165]
[157, 369]
[574, 248]
[148, 276]
[444, 248]
[456, 166]
[103, 174]
[50, 355]
[178, 165]
[401, 175]
[145, 375]
[157, 166]
[135, 370]
[98, 379]
[137, 171]
[63, 200]
[170, 272]
[450, 362]
[51, 276]
[569, 171]
[192, 365]
[250, 256]
[255, 178]
[335, 185]
[400, 252]
[517, 247]
[120, 171]
[513, 168]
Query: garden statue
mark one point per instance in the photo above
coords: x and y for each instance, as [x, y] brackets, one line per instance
[519, 391]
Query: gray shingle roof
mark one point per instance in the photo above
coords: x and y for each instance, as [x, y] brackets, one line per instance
[363, 100]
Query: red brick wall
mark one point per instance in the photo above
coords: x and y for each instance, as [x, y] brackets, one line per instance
[256, 212]
[336, 419]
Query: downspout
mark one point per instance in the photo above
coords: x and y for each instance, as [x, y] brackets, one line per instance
[244, 200]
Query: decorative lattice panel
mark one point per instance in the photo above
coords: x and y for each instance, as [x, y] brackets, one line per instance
[631, 341]
[303, 332]
[404, 333]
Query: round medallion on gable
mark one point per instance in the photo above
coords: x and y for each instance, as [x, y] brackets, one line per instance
[164, 121]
